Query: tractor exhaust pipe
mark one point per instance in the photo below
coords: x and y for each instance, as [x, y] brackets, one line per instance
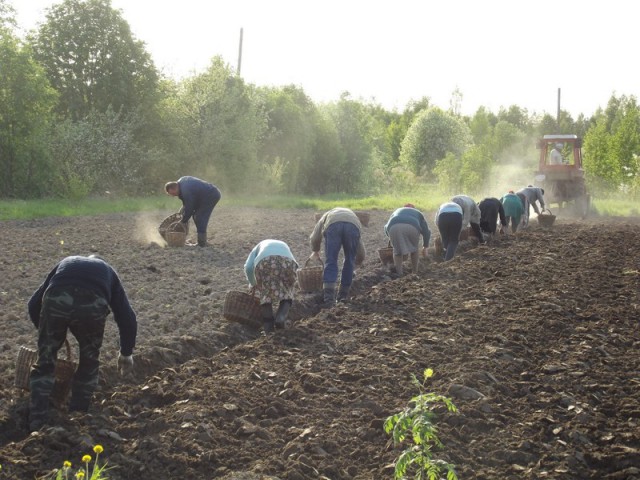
[558, 112]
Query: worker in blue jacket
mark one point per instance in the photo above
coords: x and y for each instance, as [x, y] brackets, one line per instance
[199, 198]
[404, 228]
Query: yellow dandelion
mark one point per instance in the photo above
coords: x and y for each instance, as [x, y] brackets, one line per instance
[98, 449]
[86, 459]
[66, 464]
[80, 474]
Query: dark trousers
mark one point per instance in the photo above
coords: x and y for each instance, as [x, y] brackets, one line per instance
[203, 212]
[345, 236]
[489, 222]
[84, 313]
[450, 226]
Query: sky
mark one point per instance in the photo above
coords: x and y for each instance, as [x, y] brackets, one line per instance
[495, 53]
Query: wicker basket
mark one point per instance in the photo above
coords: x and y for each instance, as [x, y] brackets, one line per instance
[464, 234]
[386, 255]
[169, 222]
[437, 246]
[546, 219]
[310, 277]
[243, 308]
[65, 368]
[176, 234]
[363, 217]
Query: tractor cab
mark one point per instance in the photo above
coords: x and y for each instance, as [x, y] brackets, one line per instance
[560, 172]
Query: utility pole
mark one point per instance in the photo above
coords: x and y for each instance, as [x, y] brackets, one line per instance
[558, 113]
[239, 55]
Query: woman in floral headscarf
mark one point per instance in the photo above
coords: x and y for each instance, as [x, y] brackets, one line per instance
[271, 269]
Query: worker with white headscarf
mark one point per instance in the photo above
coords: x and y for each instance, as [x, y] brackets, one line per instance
[555, 157]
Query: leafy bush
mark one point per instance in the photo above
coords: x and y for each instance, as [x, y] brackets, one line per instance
[414, 426]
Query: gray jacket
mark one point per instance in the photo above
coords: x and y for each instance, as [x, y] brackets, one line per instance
[470, 210]
[533, 194]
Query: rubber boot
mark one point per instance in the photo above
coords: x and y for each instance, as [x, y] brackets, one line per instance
[415, 260]
[267, 318]
[329, 294]
[202, 239]
[343, 293]
[281, 314]
[397, 262]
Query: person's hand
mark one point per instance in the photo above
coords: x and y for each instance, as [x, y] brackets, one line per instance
[424, 251]
[125, 364]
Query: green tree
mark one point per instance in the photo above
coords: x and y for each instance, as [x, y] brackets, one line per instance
[222, 123]
[289, 138]
[98, 154]
[547, 125]
[319, 175]
[7, 17]
[507, 139]
[26, 103]
[468, 172]
[455, 102]
[481, 125]
[625, 141]
[93, 60]
[354, 125]
[432, 135]
[602, 169]
[582, 125]
[448, 171]
[612, 146]
[476, 169]
[396, 127]
[516, 116]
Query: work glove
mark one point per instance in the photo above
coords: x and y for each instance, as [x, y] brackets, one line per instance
[125, 364]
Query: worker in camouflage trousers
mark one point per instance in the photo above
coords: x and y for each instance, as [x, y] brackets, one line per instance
[77, 295]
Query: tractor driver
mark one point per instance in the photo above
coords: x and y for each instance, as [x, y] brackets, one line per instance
[555, 157]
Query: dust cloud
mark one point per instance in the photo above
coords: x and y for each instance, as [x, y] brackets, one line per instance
[146, 230]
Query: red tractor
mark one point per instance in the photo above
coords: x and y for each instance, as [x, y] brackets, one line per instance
[560, 172]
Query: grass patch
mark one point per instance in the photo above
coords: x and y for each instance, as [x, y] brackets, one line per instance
[426, 198]
[30, 209]
[53, 207]
[622, 207]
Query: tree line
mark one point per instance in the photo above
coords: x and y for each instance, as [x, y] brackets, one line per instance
[83, 110]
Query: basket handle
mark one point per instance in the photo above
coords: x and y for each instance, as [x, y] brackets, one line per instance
[177, 227]
[309, 259]
[546, 210]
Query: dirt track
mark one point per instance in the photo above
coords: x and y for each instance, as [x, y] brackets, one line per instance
[542, 327]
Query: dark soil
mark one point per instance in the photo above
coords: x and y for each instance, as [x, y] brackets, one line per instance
[535, 337]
